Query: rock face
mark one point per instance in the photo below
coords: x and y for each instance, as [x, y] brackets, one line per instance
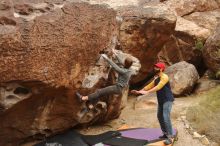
[117, 4]
[183, 47]
[189, 27]
[211, 52]
[184, 7]
[188, 40]
[47, 33]
[145, 27]
[48, 51]
[208, 19]
[143, 33]
[50, 48]
[183, 76]
[195, 22]
[218, 1]
[205, 85]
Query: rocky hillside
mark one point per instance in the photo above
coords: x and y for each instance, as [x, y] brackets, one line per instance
[51, 48]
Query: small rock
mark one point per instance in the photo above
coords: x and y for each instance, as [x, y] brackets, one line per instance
[196, 135]
[183, 113]
[179, 119]
[183, 117]
[190, 130]
[187, 126]
[205, 84]
[205, 140]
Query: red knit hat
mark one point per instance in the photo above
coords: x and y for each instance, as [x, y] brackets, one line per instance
[160, 65]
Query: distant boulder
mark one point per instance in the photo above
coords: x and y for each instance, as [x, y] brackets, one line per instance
[205, 85]
[185, 7]
[183, 76]
[211, 52]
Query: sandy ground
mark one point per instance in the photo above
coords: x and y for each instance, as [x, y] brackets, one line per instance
[144, 115]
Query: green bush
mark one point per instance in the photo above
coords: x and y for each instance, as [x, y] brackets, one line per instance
[205, 116]
[217, 75]
[199, 44]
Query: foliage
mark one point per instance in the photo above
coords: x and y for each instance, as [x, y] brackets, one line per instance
[205, 116]
[217, 75]
[199, 44]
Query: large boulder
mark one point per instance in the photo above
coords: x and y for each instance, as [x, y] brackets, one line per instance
[118, 4]
[188, 40]
[49, 51]
[145, 27]
[182, 47]
[196, 21]
[185, 7]
[185, 44]
[211, 52]
[191, 28]
[183, 77]
[207, 19]
[205, 84]
[143, 33]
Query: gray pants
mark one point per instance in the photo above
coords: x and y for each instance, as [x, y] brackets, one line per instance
[114, 89]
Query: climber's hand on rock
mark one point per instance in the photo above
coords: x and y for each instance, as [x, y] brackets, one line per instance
[104, 56]
[91, 106]
[114, 52]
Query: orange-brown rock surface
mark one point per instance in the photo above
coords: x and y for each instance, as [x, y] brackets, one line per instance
[197, 23]
[143, 33]
[51, 48]
[185, 7]
[183, 77]
[48, 51]
[211, 52]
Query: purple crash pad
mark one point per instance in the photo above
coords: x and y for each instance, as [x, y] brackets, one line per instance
[143, 133]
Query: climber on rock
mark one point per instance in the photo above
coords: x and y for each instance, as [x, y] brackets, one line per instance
[124, 75]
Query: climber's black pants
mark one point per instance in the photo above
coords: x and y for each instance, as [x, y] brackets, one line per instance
[114, 89]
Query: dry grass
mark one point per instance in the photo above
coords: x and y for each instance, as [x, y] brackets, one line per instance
[205, 116]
